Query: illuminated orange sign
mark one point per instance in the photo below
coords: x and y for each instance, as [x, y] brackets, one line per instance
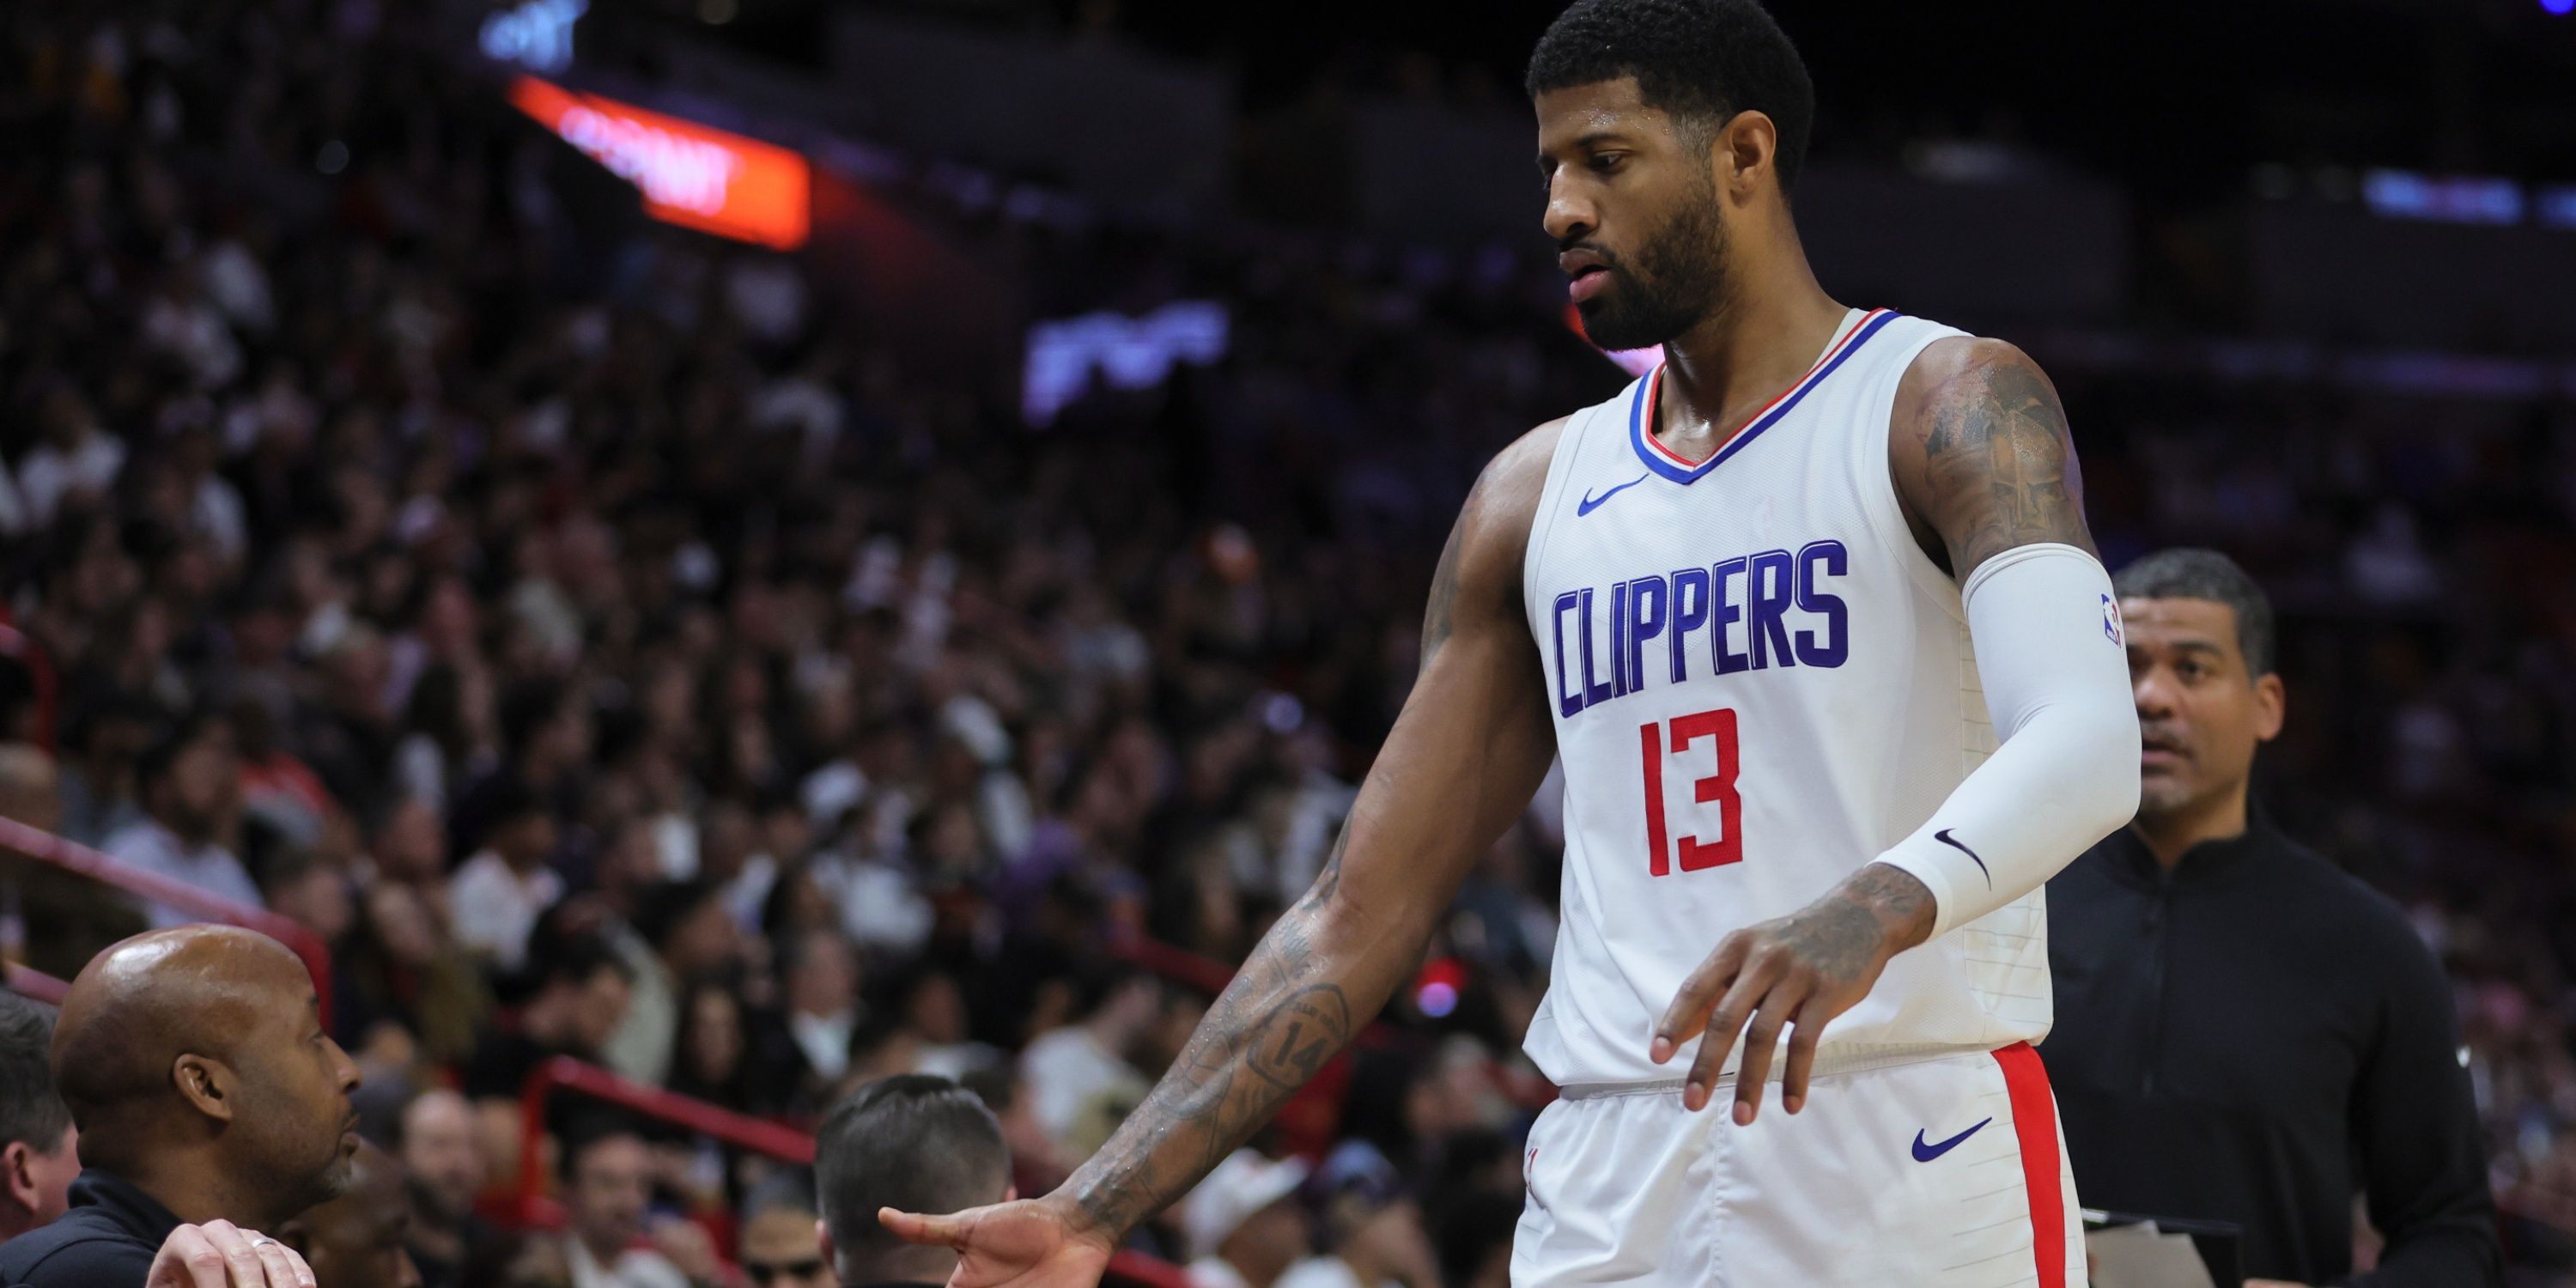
[690, 175]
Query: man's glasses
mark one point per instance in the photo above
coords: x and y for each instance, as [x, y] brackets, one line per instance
[792, 1272]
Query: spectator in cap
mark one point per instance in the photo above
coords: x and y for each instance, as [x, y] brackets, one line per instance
[39, 1152]
[1243, 1223]
[1372, 1230]
[915, 1143]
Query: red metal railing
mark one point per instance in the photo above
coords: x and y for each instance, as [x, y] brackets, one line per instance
[758, 1135]
[47, 848]
[26, 981]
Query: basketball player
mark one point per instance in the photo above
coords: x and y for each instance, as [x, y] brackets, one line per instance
[1812, 618]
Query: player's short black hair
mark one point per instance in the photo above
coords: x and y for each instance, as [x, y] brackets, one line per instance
[32, 1113]
[2189, 572]
[1702, 61]
[915, 1142]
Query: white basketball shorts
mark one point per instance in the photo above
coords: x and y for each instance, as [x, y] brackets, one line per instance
[1941, 1173]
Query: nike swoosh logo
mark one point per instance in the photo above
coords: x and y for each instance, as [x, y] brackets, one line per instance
[1943, 836]
[1926, 1153]
[1591, 503]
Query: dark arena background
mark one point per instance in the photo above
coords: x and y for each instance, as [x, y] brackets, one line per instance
[906, 523]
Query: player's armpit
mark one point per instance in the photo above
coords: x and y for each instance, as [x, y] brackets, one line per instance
[1981, 455]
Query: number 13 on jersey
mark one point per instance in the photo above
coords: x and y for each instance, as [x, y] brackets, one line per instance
[1654, 747]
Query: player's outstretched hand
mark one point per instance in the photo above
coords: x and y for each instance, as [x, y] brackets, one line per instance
[1025, 1243]
[220, 1254]
[1797, 972]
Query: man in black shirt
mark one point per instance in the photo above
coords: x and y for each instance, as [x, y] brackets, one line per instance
[2244, 1033]
[204, 1087]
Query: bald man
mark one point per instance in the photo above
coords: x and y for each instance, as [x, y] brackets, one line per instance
[356, 1240]
[195, 1065]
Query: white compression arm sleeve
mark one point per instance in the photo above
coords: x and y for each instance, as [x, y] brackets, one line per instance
[2054, 664]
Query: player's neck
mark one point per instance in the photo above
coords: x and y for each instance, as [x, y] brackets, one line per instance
[2170, 835]
[1761, 340]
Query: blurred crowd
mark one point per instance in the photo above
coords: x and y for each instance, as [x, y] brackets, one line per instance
[612, 649]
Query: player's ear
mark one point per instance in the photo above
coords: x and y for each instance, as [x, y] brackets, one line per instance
[1746, 148]
[2271, 706]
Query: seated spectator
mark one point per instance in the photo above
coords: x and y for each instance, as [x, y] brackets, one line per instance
[66, 922]
[1372, 1231]
[914, 1143]
[191, 791]
[1037, 1166]
[104, 744]
[932, 1007]
[275, 784]
[357, 1239]
[711, 1058]
[580, 999]
[1070, 1069]
[39, 1152]
[820, 975]
[547, 735]
[607, 1195]
[443, 1163]
[498, 894]
[1243, 1223]
[781, 1249]
[680, 931]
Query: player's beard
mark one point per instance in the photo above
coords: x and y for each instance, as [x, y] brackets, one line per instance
[1679, 277]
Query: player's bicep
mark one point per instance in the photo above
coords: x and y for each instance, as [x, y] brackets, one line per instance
[1982, 454]
[1474, 738]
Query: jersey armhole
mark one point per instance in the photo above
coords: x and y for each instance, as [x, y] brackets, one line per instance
[1560, 462]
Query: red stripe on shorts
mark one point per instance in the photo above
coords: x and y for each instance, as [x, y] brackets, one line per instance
[2034, 1113]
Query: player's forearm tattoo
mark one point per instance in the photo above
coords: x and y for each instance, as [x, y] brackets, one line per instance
[2000, 464]
[1330, 879]
[1878, 912]
[1269, 1032]
[1898, 907]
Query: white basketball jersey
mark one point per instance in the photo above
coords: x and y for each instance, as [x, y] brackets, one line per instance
[1760, 683]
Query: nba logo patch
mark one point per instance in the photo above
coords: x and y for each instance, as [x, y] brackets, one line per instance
[2111, 623]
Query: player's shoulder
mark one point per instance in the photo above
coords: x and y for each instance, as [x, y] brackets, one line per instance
[1956, 368]
[1507, 490]
[1524, 462]
[1493, 530]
